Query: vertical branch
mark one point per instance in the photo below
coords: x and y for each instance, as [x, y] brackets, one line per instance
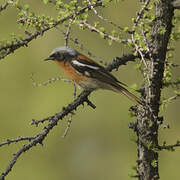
[66, 35]
[147, 123]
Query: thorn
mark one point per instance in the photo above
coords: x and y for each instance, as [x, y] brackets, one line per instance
[160, 120]
[133, 126]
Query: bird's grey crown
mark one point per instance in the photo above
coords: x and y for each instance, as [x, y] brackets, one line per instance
[65, 50]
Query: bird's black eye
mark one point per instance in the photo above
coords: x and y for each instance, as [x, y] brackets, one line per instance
[59, 56]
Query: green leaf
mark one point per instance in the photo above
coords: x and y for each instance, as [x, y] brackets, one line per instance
[102, 29]
[26, 7]
[154, 163]
[96, 23]
[45, 1]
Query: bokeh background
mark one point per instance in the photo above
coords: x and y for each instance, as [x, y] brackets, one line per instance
[99, 145]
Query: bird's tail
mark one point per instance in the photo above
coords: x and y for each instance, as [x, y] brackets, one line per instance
[121, 89]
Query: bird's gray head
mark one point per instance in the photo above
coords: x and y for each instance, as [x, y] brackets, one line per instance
[62, 53]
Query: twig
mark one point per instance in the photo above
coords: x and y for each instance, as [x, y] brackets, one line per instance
[169, 147]
[53, 79]
[75, 91]
[37, 122]
[146, 42]
[105, 35]
[104, 19]
[141, 12]
[172, 98]
[80, 45]
[139, 50]
[14, 46]
[66, 35]
[172, 64]
[68, 126]
[18, 139]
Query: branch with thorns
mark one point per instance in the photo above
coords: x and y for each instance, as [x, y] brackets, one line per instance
[169, 147]
[104, 34]
[51, 80]
[105, 19]
[18, 139]
[172, 98]
[141, 12]
[24, 42]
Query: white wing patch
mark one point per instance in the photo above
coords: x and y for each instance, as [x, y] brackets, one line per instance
[84, 65]
[87, 73]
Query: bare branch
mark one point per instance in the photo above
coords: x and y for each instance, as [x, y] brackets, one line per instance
[51, 80]
[68, 126]
[172, 98]
[10, 141]
[67, 34]
[169, 147]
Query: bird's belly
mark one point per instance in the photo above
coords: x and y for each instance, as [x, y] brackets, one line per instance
[95, 84]
[89, 84]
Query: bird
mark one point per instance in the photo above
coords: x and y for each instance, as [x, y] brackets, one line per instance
[87, 73]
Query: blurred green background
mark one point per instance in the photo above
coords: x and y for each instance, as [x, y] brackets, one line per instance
[99, 145]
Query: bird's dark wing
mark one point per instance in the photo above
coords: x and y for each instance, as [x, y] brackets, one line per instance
[94, 70]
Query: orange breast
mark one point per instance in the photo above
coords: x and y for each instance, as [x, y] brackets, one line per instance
[71, 72]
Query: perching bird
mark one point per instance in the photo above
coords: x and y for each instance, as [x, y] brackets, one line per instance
[86, 73]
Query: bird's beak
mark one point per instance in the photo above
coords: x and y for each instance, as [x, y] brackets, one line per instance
[49, 58]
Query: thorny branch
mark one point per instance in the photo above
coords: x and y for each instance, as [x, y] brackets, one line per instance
[104, 19]
[48, 81]
[139, 50]
[20, 43]
[67, 34]
[104, 34]
[171, 98]
[141, 12]
[169, 147]
[68, 126]
[10, 141]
